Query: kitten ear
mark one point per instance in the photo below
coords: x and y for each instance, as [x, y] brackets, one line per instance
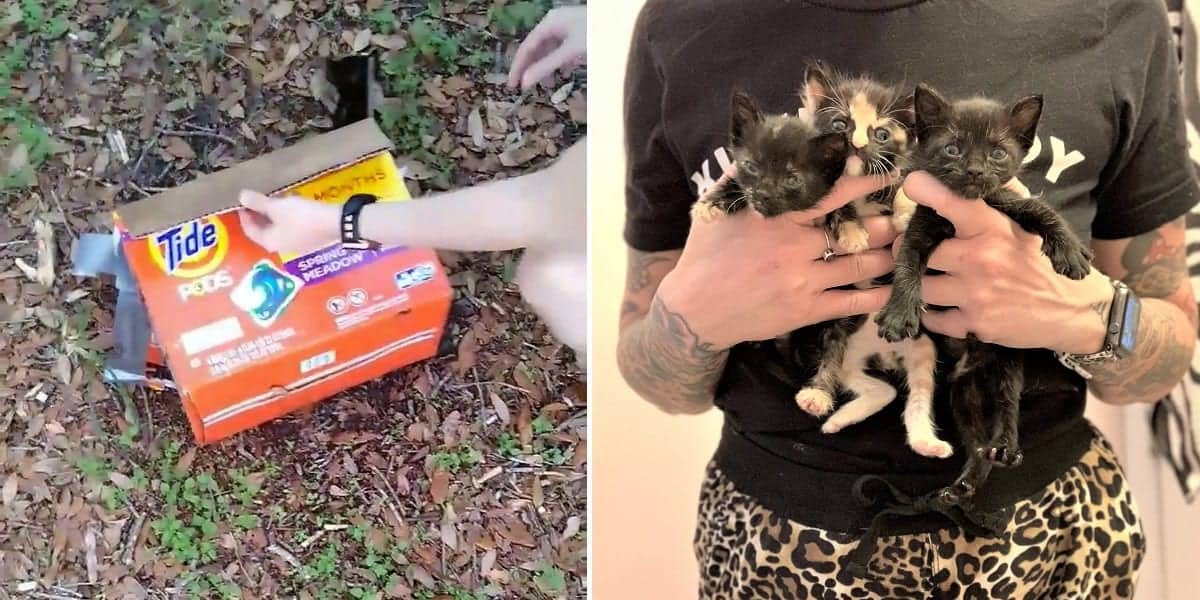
[743, 112]
[930, 108]
[1023, 116]
[830, 147]
[816, 85]
[902, 111]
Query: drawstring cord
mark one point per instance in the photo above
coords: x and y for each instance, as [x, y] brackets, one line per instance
[895, 503]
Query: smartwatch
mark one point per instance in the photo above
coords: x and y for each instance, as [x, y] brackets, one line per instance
[1120, 335]
[351, 212]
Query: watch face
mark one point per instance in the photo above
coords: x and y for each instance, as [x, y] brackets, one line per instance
[1129, 330]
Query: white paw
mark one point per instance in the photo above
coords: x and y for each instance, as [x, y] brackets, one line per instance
[705, 211]
[852, 237]
[814, 401]
[931, 447]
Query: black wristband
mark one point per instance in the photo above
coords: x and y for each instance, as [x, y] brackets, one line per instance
[350, 217]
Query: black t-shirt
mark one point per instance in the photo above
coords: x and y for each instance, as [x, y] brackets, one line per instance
[1111, 150]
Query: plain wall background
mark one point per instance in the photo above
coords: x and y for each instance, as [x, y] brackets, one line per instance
[647, 466]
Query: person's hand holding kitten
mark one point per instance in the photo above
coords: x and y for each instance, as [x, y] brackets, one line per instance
[1003, 287]
[745, 277]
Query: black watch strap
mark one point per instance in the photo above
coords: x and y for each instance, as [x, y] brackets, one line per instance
[351, 211]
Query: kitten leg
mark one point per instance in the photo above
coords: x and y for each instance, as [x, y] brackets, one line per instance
[846, 226]
[1004, 450]
[871, 396]
[817, 398]
[1066, 252]
[903, 209]
[901, 316]
[920, 363]
[966, 403]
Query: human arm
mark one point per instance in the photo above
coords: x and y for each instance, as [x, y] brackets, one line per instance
[545, 207]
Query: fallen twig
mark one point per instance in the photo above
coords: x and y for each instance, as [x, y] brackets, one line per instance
[44, 273]
[287, 557]
[202, 133]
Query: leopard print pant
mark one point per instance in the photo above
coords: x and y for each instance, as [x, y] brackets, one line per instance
[1077, 538]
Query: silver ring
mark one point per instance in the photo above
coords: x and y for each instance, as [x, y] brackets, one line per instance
[829, 253]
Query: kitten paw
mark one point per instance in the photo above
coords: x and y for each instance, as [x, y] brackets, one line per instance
[815, 401]
[933, 448]
[1074, 263]
[1005, 455]
[895, 325]
[957, 493]
[901, 220]
[852, 237]
[706, 212]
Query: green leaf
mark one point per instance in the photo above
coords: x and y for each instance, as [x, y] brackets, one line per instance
[246, 521]
[551, 580]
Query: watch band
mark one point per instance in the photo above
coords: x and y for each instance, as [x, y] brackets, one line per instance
[1119, 331]
[351, 212]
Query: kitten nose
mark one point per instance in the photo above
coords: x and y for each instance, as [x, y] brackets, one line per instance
[975, 172]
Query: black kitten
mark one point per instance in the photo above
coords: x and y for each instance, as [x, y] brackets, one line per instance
[783, 163]
[352, 77]
[974, 147]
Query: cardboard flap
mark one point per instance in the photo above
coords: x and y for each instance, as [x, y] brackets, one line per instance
[269, 173]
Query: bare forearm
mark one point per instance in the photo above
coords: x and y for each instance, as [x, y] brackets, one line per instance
[667, 364]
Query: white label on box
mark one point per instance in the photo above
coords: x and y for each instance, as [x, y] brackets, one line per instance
[318, 361]
[212, 335]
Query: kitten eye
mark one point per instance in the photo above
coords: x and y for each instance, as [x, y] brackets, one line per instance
[839, 125]
[793, 180]
[999, 154]
[748, 168]
[882, 135]
[952, 150]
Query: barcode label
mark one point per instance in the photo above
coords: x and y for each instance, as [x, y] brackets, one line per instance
[316, 362]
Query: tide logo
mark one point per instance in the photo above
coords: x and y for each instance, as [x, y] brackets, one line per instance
[190, 250]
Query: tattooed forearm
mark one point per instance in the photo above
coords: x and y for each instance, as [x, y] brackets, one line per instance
[664, 361]
[641, 270]
[1163, 353]
[1154, 265]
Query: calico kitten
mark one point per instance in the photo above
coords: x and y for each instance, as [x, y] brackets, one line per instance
[974, 146]
[783, 163]
[879, 121]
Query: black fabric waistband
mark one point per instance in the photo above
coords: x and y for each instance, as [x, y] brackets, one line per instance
[824, 499]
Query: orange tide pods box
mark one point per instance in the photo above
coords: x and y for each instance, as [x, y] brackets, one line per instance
[250, 335]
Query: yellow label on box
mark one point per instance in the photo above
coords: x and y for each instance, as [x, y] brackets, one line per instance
[376, 175]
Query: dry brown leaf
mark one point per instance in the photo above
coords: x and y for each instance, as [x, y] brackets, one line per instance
[475, 128]
[177, 147]
[525, 424]
[374, 4]
[280, 10]
[361, 41]
[516, 157]
[571, 529]
[468, 349]
[184, 465]
[501, 408]
[120, 480]
[439, 486]
[118, 27]
[9, 492]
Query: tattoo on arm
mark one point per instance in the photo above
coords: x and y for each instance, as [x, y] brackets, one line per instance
[1156, 262]
[1155, 268]
[666, 363]
[644, 272]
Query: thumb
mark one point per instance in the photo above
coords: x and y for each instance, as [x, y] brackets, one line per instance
[255, 201]
[844, 191]
[970, 217]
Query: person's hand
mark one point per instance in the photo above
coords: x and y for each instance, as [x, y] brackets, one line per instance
[1001, 286]
[288, 225]
[743, 277]
[559, 42]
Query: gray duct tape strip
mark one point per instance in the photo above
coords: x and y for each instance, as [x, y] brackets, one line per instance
[99, 254]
